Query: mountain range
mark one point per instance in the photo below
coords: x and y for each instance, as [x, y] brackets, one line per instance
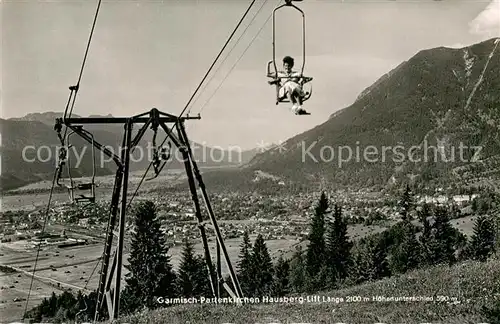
[30, 149]
[434, 119]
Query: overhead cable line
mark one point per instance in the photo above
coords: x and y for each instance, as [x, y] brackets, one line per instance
[216, 59]
[74, 89]
[199, 86]
[230, 51]
[40, 240]
[237, 61]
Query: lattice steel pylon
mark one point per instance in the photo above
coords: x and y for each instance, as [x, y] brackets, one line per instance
[154, 118]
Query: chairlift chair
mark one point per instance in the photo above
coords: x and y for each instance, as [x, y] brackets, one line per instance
[275, 78]
[83, 186]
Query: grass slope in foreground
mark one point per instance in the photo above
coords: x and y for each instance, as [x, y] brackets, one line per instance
[469, 286]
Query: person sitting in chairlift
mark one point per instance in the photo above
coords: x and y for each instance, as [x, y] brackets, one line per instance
[291, 85]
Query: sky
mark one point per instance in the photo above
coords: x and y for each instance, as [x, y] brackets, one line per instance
[152, 53]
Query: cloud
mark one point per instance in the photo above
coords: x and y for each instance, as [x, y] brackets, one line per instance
[487, 23]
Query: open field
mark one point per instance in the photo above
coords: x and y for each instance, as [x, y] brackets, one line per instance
[354, 231]
[79, 261]
[166, 177]
[14, 292]
[30, 201]
[465, 224]
[36, 195]
[106, 181]
[445, 295]
[72, 268]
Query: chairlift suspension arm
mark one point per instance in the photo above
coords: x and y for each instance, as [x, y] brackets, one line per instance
[172, 138]
[288, 3]
[156, 157]
[166, 159]
[154, 121]
[71, 186]
[62, 153]
[155, 152]
[159, 167]
[164, 156]
[139, 135]
[74, 89]
[99, 146]
[92, 183]
[276, 78]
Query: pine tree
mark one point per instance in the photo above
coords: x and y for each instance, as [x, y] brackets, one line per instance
[474, 205]
[407, 254]
[482, 244]
[203, 287]
[262, 267]
[244, 266]
[82, 308]
[497, 235]
[90, 304]
[281, 284]
[423, 216]
[393, 237]
[46, 310]
[338, 248]
[370, 259]
[321, 281]
[442, 241]
[61, 315]
[66, 302]
[150, 271]
[405, 204]
[185, 284]
[358, 270]
[298, 279]
[53, 304]
[192, 279]
[316, 248]
[378, 259]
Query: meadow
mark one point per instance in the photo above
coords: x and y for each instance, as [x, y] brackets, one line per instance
[70, 268]
[441, 294]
